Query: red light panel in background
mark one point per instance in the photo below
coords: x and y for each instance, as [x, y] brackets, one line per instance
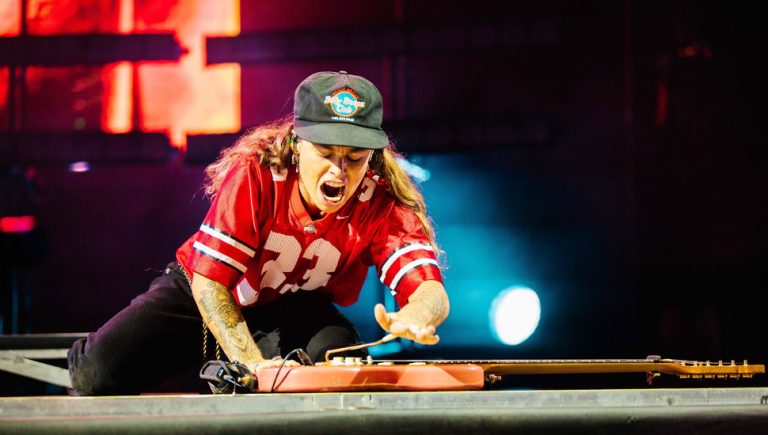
[176, 97]
[3, 98]
[10, 11]
[10, 25]
[189, 97]
[17, 224]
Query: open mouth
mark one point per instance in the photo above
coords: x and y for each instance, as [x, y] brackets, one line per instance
[332, 192]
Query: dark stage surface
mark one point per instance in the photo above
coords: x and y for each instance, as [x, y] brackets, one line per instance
[646, 411]
[576, 403]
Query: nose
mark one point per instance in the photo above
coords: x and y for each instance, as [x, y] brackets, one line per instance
[339, 166]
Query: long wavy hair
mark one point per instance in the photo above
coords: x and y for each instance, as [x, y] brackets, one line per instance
[269, 145]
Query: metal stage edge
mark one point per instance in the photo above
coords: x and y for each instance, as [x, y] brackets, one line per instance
[647, 411]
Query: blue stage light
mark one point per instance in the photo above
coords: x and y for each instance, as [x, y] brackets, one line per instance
[416, 172]
[514, 315]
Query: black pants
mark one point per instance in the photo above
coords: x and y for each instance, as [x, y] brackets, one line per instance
[159, 335]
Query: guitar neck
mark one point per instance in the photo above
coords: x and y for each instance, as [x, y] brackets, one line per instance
[683, 368]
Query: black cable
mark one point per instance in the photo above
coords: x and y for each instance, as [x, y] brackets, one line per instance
[232, 377]
[225, 377]
[304, 359]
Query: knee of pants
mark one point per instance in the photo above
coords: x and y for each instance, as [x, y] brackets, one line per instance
[90, 375]
[333, 337]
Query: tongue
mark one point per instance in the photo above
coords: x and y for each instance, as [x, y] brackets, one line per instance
[331, 191]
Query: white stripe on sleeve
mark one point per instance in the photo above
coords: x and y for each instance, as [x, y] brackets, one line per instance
[219, 256]
[227, 239]
[402, 251]
[409, 267]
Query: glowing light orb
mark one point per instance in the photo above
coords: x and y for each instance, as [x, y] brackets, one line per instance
[514, 315]
[81, 166]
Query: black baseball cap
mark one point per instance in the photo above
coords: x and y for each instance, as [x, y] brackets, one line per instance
[336, 108]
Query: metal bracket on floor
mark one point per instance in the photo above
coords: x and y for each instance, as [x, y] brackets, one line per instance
[22, 362]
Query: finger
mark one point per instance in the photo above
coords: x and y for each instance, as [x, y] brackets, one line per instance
[427, 338]
[382, 317]
[425, 335]
[277, 362]
[418, 330]
[401, 329]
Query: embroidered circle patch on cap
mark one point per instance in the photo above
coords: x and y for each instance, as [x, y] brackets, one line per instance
[344, 102]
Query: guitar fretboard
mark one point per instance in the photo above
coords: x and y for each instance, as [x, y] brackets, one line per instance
[575, 366]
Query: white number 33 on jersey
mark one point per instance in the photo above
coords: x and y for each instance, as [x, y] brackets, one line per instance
[275, 272]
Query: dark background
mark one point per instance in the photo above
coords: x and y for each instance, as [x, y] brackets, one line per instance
[608, 154]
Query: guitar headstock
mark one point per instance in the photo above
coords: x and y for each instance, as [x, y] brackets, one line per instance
[686, 369]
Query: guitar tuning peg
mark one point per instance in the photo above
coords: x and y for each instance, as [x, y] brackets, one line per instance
[492, 379]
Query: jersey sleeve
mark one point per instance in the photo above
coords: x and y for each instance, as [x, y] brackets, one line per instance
[403, 255]
[228, 238]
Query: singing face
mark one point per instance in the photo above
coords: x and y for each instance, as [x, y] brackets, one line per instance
[329, 175]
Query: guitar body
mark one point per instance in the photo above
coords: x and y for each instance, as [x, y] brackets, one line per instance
[400, 377]
[354, 375]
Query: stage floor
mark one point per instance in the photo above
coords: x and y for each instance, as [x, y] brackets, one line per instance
[647, 411]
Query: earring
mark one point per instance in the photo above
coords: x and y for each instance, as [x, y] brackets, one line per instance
[294, 160]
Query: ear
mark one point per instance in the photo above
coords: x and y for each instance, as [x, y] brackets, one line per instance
[292, 139]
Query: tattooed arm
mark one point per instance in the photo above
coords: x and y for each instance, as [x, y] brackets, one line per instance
[427, 308]
[224, 319]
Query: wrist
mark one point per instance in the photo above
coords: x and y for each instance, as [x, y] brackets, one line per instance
[430, 303]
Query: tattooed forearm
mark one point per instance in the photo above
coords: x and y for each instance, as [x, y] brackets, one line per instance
[428, 305]
[215, 300]
[225, 320]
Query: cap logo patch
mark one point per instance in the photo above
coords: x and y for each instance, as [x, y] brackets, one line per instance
[344, 102]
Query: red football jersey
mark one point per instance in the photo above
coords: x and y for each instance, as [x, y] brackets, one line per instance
[259, 240]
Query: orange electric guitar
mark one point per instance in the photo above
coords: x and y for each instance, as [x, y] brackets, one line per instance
[356, 374]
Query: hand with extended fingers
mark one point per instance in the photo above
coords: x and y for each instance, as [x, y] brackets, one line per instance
[405, 324]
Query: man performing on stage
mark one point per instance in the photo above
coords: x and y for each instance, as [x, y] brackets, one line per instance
[300, 209]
